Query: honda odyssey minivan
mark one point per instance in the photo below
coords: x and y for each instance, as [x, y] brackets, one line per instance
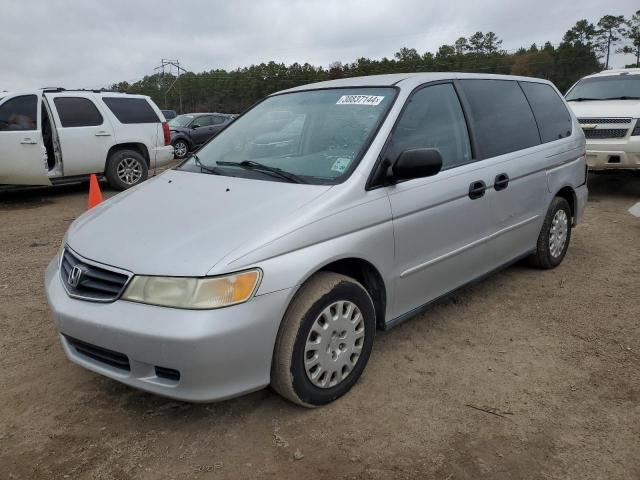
[323, 213]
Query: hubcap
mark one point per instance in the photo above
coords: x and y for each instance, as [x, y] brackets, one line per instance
[129, 171]
[180, 149]
[558, 233]
[334, 344]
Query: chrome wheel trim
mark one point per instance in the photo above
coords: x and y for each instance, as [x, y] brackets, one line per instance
[129, 170]
[558, 233]
[180, 149]
[334, 344]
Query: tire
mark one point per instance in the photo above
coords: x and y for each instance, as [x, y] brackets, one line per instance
[316, 301]
[551, 251]
[125, 169]
[180, 148]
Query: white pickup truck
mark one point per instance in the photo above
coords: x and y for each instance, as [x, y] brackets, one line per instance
[55, 136]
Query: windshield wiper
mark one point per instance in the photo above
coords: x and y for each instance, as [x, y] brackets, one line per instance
[623, 97]
[260, 167]
[203, 167]
[583, 99]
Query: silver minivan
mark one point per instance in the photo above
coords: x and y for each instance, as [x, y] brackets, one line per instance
[321, 214]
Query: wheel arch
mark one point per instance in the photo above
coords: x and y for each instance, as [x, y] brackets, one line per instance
[141, 148]
[568, 193]
[366, 274]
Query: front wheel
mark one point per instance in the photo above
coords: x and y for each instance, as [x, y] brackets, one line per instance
[180, 149]
[324, 341]
[555, 235]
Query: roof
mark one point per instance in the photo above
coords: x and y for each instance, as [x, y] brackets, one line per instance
[616, 71]
[405, 80]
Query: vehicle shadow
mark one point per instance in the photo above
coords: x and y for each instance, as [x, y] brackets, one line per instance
[614, 184]
[33, 197]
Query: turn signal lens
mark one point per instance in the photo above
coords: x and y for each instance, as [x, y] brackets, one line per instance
[194, 293]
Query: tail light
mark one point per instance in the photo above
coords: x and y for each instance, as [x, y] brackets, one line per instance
[167, 133]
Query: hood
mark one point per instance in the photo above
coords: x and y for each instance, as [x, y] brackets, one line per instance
[606, 108]
[183, 223]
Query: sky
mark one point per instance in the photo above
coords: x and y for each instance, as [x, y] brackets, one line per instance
[95, 43]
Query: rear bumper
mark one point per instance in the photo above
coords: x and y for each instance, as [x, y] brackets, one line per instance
[164, 155]
[218, 353]
[614, 154]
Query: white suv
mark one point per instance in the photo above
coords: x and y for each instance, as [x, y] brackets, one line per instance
[607, 105]
[55, 136]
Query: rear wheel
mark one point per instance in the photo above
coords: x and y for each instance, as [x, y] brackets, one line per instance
[126, 168]
[325, 340]
[180, 148]
[555, 235]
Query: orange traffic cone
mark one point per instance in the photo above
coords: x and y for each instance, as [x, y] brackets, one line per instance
[95, 196]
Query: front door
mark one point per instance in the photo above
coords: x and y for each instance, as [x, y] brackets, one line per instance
[202, 129]
[440, 223]
[23, 157]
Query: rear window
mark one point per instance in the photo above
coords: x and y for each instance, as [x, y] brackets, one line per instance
[554, 121]
[77, 112]
[501, 116]
[19, 113]
[131, 110]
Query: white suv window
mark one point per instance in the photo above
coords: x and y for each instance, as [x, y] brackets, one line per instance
[77, 112]
[131, 110]
[19, 113]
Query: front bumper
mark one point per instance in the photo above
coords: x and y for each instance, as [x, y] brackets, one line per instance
[613, 154]
[218, 353]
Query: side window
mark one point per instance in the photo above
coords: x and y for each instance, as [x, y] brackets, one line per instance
[19, 113]
[131, 110]
[217, 120]
[77, 112]
[502, 119]
[554, 121]
[203, 121]
[433, 119]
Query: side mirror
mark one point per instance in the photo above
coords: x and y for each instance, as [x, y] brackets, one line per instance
[417, 163]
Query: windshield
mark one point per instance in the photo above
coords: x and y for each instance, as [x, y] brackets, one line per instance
[180, 121]
[606, 88]
[315, 136]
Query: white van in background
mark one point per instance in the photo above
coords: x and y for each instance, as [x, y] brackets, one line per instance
[55, 136]
[607, 105]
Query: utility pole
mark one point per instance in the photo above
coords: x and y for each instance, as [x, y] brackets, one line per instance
[168, 64]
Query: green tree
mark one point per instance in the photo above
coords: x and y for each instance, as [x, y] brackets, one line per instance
[582, 32]
[612, 28]
[491, 43]
[633, 34]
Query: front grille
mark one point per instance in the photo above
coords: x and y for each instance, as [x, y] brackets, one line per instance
[99, 354]
[606, 133]
[91, 282]
[605, 120]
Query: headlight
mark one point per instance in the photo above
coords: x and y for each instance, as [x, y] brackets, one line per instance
[194, 293]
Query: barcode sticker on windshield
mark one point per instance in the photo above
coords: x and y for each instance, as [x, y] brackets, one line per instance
[360, 100]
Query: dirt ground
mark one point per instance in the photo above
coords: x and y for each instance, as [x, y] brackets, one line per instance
[553, 355]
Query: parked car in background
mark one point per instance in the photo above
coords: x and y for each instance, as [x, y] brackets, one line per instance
[607, 105]
[55, 136]
[276, 264]
[192, 130]
[169, 114]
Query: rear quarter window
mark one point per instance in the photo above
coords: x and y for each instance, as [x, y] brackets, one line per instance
[131, 110]
[554, 121]
[501, 116]
[77, 112]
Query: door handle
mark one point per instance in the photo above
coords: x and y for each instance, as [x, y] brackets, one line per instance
[28, 141]
[501, 182]
[102, 133]
[477, 189]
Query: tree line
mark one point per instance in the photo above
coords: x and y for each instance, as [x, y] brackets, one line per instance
[585, 48]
